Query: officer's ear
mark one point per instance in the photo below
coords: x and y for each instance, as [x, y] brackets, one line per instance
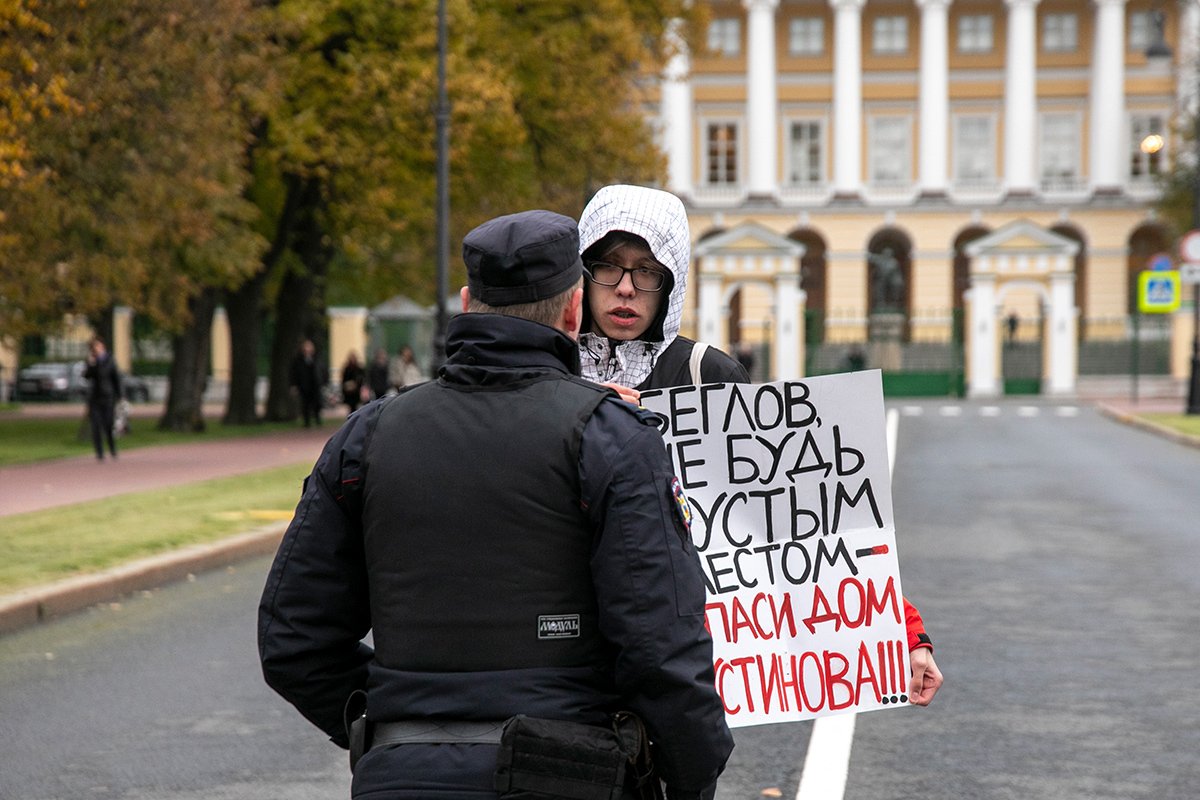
[465, 294]
[572, 316]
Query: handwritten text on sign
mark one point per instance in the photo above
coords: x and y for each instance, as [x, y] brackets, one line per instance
[789, 489]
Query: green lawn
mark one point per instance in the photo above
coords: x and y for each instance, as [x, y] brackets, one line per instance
[44, 546]
[1183, 423]
[27, 439]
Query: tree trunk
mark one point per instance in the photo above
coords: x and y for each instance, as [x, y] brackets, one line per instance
[300, 305]
[189, 367]
[243, 307]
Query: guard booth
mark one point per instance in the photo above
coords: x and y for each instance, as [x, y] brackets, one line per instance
[1021, 258]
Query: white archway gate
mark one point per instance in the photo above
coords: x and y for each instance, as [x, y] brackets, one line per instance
[751, 254]
[1021, 253]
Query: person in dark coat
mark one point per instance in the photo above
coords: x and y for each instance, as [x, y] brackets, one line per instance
[104, 391]
[307, 379]
[377, 374]
[354, 380]
[514, 539]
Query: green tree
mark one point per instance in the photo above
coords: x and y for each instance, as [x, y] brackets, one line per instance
[546, 108]
[138, 199]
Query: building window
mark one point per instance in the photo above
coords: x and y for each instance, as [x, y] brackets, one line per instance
[1141, 31]
[974, 150]
[806, 36]
[1059, 150]
[725, 36]
[891, 151]
[890, 35]
[1060, 33]
[722, 153]
[975, 33]
[806, 164]
[1146, 162]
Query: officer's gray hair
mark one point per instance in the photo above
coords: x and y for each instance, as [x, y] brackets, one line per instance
[547, 312]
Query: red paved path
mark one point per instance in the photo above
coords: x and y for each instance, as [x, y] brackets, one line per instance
[48, 484]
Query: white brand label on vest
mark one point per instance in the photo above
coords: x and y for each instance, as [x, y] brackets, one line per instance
[558, 626]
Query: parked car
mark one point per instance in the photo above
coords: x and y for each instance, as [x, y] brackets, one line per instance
[61, 380]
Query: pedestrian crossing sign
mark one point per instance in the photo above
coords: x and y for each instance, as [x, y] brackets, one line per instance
[1159, 291]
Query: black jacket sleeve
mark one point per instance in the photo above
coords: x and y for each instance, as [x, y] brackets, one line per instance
[650, 594]
[314, 610]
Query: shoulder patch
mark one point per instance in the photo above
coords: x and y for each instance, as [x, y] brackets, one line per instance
[682, 509]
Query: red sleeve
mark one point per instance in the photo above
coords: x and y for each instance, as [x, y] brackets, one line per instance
[915, 627]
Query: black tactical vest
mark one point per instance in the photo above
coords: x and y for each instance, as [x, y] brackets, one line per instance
[477, 549]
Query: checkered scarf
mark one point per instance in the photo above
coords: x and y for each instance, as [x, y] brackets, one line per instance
[660, 219]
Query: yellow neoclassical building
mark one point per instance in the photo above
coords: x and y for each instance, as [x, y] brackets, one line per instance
[956, 191]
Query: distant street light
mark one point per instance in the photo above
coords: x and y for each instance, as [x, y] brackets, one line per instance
[1159, 51]
[442, 117]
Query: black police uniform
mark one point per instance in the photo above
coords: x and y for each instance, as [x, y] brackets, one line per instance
[511, 535]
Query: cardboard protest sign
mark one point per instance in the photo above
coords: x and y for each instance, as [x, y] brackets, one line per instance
[789, 489]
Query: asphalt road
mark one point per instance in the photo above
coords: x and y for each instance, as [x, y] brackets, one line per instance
[1053, 554]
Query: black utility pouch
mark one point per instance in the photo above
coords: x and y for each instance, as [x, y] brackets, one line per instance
[358, 729]
[546, 758]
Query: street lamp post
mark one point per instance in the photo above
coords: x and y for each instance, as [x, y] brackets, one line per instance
[1160, 50]
[442, 117]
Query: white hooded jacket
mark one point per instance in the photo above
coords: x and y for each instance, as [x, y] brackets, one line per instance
[659, 218]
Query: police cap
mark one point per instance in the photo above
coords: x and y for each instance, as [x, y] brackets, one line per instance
[522, 258]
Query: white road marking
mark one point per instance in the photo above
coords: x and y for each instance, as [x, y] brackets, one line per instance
[913, 411]
[1028, 411]
[989, 411]
[827, 763]
[950, 411]
[1067, 411]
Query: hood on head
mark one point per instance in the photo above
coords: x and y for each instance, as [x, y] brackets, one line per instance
[659, 218]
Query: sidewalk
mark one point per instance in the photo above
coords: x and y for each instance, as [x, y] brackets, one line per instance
[62, 482]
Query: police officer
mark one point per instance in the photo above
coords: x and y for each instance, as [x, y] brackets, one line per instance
[514, 538]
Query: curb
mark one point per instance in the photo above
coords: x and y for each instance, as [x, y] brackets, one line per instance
[32, 606]
[1137, 422]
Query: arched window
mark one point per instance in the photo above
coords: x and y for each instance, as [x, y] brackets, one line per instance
[1147, 240]
[813, 280]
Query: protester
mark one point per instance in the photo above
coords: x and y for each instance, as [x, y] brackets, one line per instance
[307, 379]
[354, 381]
[514, 540]
[104, 392]
[636, 246]
[377, 374]
[403, 370]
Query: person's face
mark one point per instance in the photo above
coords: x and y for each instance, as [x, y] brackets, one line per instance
[624, 311]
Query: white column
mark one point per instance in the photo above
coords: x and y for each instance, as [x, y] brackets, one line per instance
[1020, 96]
[789, 329]
[761, 101]
[934, 94]
[847, 96]
[984, 368]
[709, 314]
[1063, 313]
[1108, 130]
[1189, 54]
[676, 114]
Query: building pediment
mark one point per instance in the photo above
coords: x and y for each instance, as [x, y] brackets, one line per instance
[748, 238]
[1022, 238]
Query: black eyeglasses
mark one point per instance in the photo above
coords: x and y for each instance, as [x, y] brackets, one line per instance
[645, 279]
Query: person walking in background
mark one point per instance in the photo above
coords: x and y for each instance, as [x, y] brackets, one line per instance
[307, 378]
[377, 373]
[354, 383]
[512, 538]
[104, 391]
[403, 370]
